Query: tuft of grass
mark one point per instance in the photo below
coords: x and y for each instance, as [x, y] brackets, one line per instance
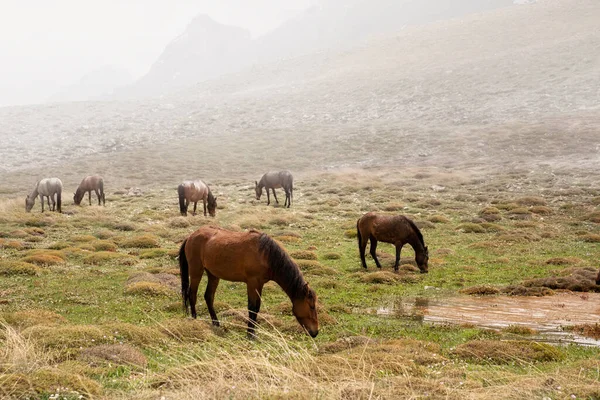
[82, 238]
[303, 255]
[142, 241]
[59, 245]
[481, 290]
[541, 210]
[120, 354]
[188, 330]
[589, 330]
[13, 244]
[469, 227]
[179, 222]
[103, 245]
[563, 261]
[590, 238]
[331, 256]
[153, 253]
[152, 289]
[384, 277]
[67, 338]
[26, 318]
[103, 257]
[125, 226]
[48, 380]
[519, 330]
[507, 352]
[9, 268]
[315, 268]
[43, 259]
[350, 233]
[393, 207]
[530, 201]
[438, 219]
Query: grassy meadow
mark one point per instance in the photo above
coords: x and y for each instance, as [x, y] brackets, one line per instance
[90, 305]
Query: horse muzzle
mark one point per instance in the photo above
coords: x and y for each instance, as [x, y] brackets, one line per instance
[313, 334]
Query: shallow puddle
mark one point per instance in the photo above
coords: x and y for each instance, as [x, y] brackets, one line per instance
[546, 315]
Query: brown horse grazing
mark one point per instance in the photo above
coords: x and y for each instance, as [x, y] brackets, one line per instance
[48, 187]
[89, 183]
[396, 230]
[251, 257]
[276, 180]
[194, 191]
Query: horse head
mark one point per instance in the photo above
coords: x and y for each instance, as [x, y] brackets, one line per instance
[422, 258]
[77, 197]
[29, 202]
[305, 311]
[258, 190]
[212, 206]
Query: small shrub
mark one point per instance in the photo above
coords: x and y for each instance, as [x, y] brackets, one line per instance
[489, 211]
[18, 268]
[27, 318]
[142, 241]
[588, 330]
[47, 380]
[59, 245]
[519, 330]
[385, 277]
[179, 222]
[303, 255]
[125, 226]
[187, 330]
[563, 261]
[104, 234]
[13, 244]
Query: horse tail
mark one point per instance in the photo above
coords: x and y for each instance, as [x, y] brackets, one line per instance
[358, 235]
[181, 192]
[58, 200]
[185, 277]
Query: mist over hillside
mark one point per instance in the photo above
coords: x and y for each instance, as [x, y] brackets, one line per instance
[94, 85]
[513, 88]
[208, 49]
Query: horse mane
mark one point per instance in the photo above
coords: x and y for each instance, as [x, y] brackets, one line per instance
[211, 198]
[284, 269]
[417, 231]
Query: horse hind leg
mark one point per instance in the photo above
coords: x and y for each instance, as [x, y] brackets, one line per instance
[209, 296]
[98, 195]
[398, 250]
[374, 251]
[274, 195]
[53, 204]
[193, 290]
[254, 297]
[90, 197]
[42, 201]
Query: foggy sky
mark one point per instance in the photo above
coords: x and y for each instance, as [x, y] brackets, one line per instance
[47, 45]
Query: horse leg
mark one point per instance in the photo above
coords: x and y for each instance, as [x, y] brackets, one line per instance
[254, 294]
[362, 247]
[98, 196]
[195, 204]
[374, 251]
[42, 201]
[209, 296]
[193, 290]
[90, 196]
[274, 195]
[204, 202]
[53, 204]
[268, 197]
[398, 250]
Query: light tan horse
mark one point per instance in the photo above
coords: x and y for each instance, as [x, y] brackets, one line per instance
[48, 187]
[89, 183]
[276, 180]
[194, 191]
[251, 257]
[394, 229]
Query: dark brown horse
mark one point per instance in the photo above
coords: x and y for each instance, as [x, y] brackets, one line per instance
[89, 183]
[397, 230]
[251, 257]
[194, 191]
[276, 180]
